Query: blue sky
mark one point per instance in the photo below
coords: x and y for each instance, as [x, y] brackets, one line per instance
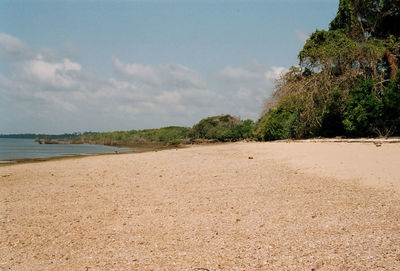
[118, 65]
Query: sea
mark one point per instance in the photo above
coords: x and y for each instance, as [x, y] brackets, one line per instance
[18, 148]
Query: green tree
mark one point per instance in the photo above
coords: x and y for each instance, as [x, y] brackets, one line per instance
[364, 110]
[346, 81]
[222, 128]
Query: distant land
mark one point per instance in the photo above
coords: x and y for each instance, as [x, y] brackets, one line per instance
[33, 136]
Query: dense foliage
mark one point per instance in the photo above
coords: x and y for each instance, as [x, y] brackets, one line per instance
[218, 128]
[347, 83]
[166, 135]
[222, 128]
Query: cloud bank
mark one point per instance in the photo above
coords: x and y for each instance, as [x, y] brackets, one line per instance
[43, 90]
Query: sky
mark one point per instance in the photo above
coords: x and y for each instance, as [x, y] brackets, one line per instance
[75, 66]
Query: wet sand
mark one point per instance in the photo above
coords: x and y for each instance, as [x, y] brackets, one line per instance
[300, 205]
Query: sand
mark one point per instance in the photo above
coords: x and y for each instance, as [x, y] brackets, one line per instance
[293, 206]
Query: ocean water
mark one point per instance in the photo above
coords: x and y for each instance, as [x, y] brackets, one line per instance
[16, 148]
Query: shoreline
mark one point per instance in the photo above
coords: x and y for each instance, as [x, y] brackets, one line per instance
[149, 147]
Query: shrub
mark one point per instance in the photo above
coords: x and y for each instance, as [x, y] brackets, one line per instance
[222, 128]
[332, 118]
[278, 123]
[364, 110]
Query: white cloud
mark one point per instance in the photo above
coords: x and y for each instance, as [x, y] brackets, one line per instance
[171, 75]
[237, 74]
[181, 76]
[167, 89]
[128, 109]
[275, 72]
[55, 100]
[56, 73]
[169, 97]
[46, 91]
[301, 35]
[248, 86]
[243, 93]
[49, 92]
[121, 84]
[253, 71]
[140, 72]
[14, 46]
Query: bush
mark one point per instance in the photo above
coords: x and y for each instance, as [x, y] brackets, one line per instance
[391, 108]
[332, 118]
[222, 128]
[360, 111]
[276, 124]
[167, 135]
[244, 130]
[364, 110]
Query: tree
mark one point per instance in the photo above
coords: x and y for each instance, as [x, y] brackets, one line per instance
[222, 128]
[365, 19]
[346, 80]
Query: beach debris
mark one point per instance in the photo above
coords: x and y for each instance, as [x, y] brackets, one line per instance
[378, 144]
[251, 157]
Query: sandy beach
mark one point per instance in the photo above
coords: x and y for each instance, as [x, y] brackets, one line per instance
[236, 206]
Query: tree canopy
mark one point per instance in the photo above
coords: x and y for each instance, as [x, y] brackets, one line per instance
[347, 78]
[361, 19]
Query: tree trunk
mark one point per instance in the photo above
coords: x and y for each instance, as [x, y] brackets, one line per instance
[391, 59]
